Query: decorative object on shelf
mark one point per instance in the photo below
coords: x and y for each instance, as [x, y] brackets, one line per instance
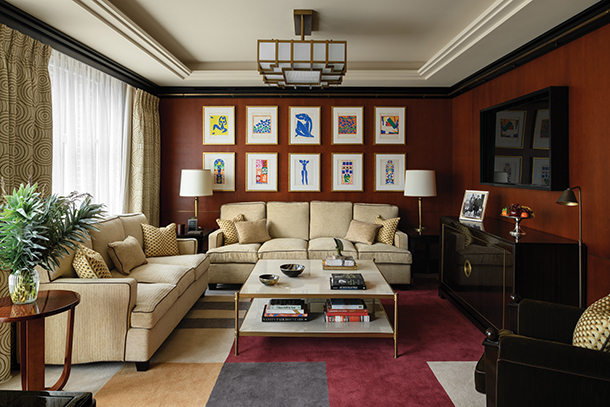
[473, 206]
[390, 125]
[222, 166]
[195, 183]
[420, 184]
[219, 125]
[390, 172]
[518, 213]
[37, 230]
[338, 246]
[569, 199]
[319, 63]
[292, 270]
[269, 279]
[261, 126]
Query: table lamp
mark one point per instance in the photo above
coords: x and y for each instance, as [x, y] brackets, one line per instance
[195, 183]
[569, 199]
[420, 184]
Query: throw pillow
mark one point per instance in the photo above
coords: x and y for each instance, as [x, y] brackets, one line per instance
[89, 264]
[160, 241]
[387, 230]
[593, 328]
[254, 231]
[228, 229]
[362, 232]
[126, 254]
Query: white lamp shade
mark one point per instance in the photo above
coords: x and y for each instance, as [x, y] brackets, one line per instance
[420, 183]
[196, 183]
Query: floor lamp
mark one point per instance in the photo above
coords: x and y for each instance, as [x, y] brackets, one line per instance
[420, 184]
[568, 198]
[195, 183]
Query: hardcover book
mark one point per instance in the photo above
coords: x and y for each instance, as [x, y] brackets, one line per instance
[347, 281]
[347, 303]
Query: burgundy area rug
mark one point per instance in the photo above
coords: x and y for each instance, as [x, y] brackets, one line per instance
[364, 372]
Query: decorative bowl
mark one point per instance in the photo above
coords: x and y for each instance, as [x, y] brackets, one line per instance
[269, 279]
[292, 270]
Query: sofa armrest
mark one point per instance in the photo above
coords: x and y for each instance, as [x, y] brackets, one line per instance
[215, 239]
[187, 245]
[401, 240]
[544, 320]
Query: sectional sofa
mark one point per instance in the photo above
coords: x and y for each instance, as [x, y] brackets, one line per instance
[305, 230]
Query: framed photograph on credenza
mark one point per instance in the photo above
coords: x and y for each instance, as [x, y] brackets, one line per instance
[473, 205]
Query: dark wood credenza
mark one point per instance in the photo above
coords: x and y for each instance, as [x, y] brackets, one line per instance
[482, 265]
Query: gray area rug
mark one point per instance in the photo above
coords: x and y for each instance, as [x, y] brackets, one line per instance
[295, 384]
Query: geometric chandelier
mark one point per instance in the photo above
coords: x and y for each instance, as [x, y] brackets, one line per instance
[315, 63]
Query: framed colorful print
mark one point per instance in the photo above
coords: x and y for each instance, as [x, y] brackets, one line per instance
[511, 166]
[347, 171]
[223, 170]
[261, 172]
[261, 125]
[390, 172]
[542, 130]
[219, 125]
[304, 172]
[348, 125]
[473, 206]
[304, 125]
[509, 128]
[541, 172]
[390, 125]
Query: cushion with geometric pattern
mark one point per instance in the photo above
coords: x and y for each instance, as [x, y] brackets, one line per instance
[593, 328]
[387, 230]
[227, 226]
[89, 264]
[160, 241]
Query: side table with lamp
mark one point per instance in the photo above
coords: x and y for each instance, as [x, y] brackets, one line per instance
[195, 183]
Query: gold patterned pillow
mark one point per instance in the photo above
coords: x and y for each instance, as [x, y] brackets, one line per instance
[228, 229]
[160, 241]
[89, 264]
[387, 230]
[593, 328]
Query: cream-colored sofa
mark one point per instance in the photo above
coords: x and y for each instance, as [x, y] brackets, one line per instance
[305, 230]
[125, 318]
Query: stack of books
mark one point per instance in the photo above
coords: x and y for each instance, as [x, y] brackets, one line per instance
[339, 263]
[346, 310]
[347, 281]
[286, 310]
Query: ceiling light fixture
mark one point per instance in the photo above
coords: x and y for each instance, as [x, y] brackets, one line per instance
[319, 63]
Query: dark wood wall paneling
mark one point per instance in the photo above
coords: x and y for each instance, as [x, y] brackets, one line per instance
[582, 67]
[428, 146]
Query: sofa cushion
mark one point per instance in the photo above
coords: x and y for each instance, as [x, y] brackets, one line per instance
[160, 241]
[288, 219]
[329, 219]
[198, 262]
[365, 212]
[250, 210]
[180, 276]
[126, 254]
[89, 264]
[152, 302]
[132, 225]
[235, 253]
[388, 229]
[362, 232]
[254, 231]
[229, 231]
[322, 247]
[283, 248]
[592, 330]
[110, 230]
[383, 253]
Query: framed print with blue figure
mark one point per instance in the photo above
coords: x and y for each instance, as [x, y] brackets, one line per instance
[222, 166]
[219, 125]
[261, 125]
[304, 125]
[304, 172]
[390, 172]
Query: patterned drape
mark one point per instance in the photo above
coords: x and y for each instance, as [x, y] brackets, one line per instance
[26, 133]
[145, 171]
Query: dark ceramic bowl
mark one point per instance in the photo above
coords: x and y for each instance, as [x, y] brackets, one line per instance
[292, 270]
[269, 279]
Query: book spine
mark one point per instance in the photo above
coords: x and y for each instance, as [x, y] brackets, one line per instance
[285, 319]
[285, 307]
[347, 287]
[343, 305]
[347, 318]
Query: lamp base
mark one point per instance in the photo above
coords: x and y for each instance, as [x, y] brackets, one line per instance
[420, 229]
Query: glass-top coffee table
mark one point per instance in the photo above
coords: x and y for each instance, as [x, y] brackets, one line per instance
[314, 284]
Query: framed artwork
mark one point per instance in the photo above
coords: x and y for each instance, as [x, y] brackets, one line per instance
[261, 172]
[261, 125]
[219, 125]
[542, 130]
[304, 172]
[390, 172]
[222, 166]
[509, 128]
[390, 125]
[304, 125]
[473, 206]
[347, 172]
[541, 172]
[348, 125]
[509, 165]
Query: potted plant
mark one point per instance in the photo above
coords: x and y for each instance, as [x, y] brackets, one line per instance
[37, 230]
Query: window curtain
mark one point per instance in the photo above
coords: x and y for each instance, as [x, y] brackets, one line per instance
[25, 132]
[145, 173]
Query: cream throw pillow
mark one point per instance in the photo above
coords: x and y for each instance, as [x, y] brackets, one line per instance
[89, 264]
[126, 254]
[362, 232]
[160, 241]
[254, 231]
[388, 229]
[593, 328]
[228, 229]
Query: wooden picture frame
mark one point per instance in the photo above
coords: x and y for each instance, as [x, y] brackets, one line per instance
[261, 125]
[304, 127]
[304, 173]
[390, 172]
[348, 125]
[390, 125]
[261, 172]
[474, 205]
[348, 172]
[219, 125]
[222, 166]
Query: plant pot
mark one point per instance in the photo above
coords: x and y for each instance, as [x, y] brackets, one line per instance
[23, 286]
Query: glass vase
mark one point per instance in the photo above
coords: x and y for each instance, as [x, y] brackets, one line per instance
[23, 286]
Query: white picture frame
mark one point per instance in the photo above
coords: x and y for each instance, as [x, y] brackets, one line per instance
[222, 166]
[304, 172]
[304, 127]
[510, 165]
[390, 172]
[261, 125]
[347, 172]
[474, 205]
[542, 130]
[219, 125]
[510, 125]
[541, 171]
[348, 125]
[390, 125]
[259, 165]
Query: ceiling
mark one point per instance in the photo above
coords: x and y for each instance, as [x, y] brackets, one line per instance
[390, 43]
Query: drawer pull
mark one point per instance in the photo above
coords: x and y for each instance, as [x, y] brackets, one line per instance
[467, 268]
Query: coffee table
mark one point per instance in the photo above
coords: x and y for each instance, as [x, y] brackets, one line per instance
[314, 284]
